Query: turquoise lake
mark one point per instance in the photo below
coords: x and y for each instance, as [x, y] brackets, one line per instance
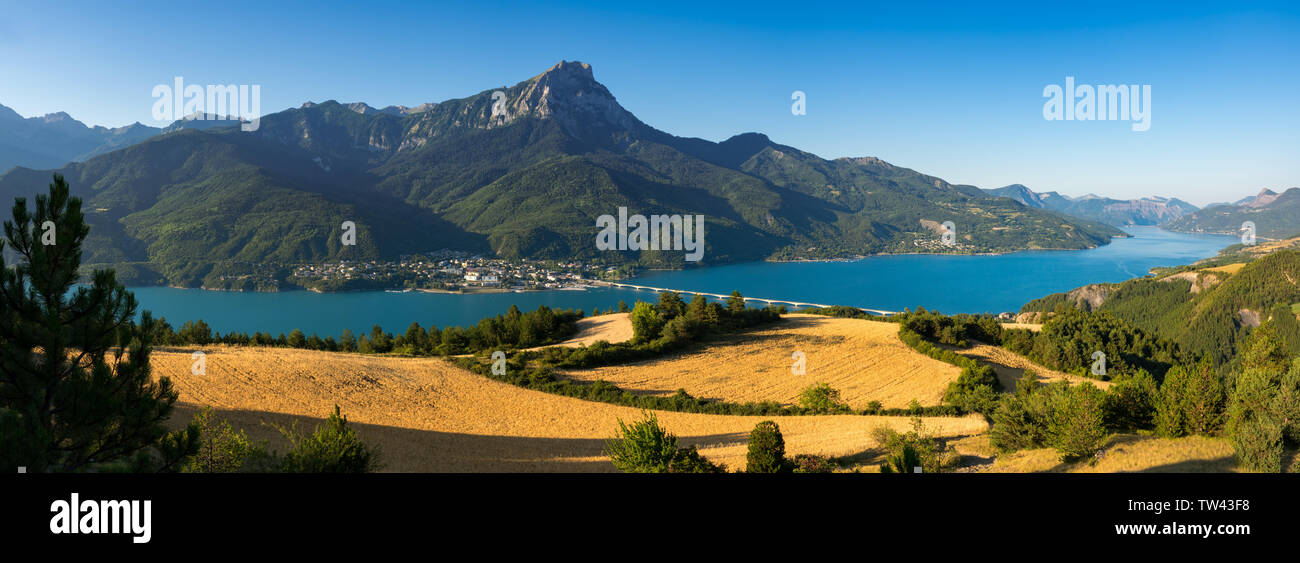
[951, 284]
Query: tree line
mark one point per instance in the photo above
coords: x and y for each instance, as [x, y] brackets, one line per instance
[512, 330]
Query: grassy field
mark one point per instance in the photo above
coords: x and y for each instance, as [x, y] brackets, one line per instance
[1131, 453]
[428, 415]
[864, 360]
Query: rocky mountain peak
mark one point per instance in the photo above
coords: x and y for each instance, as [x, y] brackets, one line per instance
[1265, 197]
[867, 161]
[575, 71]
[568, 92]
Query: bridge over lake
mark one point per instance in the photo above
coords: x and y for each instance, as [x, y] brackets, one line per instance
[747, 298]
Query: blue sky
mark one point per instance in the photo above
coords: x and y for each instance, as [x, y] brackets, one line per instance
[949, 90]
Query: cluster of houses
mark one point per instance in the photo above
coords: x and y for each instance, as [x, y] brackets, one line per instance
[475, 271]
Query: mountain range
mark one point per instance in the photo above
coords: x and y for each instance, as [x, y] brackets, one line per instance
[56, 139]
[520, 172]
[1275, 215]
[1144, 211]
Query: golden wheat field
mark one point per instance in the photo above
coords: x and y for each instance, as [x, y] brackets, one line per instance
[864, 360]
[1010, 366]
[430, 416]
[612, 328]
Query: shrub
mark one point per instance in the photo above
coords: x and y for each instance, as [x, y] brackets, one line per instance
[680, 329]
[974, 390]
[808, 463]
[822, 398]
[333, 447]
[766, 449]
[222, 449]
[1130, 403]
[643, 447]
[905, 461]
[1021, 420]
[1020, 423]
[1077, 425]
[931, 455]
[646, 322]
[689, 460]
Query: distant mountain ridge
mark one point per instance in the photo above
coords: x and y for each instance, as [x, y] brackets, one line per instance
[56, 139]
[1144, 211]
[1275, 215]
[520, 172]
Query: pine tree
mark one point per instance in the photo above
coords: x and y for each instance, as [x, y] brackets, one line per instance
[76, 391]
[735, 303]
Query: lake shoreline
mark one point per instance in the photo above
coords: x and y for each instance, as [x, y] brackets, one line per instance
[590, 285]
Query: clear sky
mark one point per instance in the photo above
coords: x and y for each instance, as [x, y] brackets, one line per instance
[954, 90]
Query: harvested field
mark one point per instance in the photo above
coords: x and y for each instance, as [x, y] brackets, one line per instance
[1228, 268]
[1131, 453]
[612, 328]
[1010, 366]
[863, 359]
[1027, 326]
[430, 416]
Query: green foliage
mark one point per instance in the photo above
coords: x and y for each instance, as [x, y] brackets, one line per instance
[511, 331]
[1263, 349]
[1070, 338]
[975, 390]
[915, 448]
[842, 312]
[808, 463]
[223, 449]
[735, 303]
[905, 461]
[1021, 420]
[333, 447]
[642, 447]
[646, 322]
[822, 398]
[689, 460]
[766, 449]
[1191, 401]
[1130, 404]
[923, 346]
[1264, 410]
[1077, 427]
[953, 330]
[76, 390]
